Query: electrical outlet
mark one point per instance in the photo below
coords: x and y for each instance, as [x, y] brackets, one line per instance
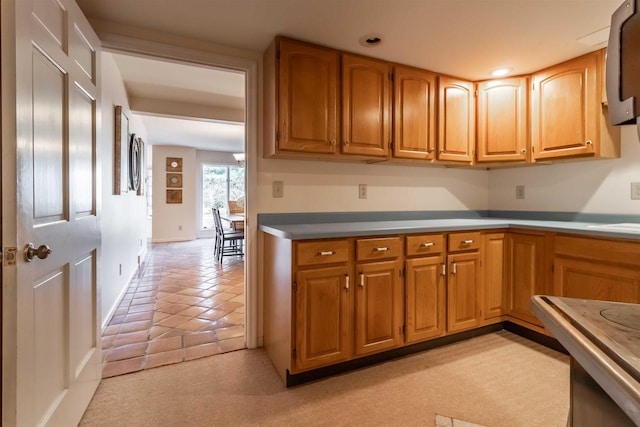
[635, 191]
[362, 191]
[519, 191]
[179, 228]
[278, 189]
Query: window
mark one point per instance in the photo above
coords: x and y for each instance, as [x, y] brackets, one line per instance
[219, 185]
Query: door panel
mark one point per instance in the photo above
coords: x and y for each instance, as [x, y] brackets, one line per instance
[49, 87]
[464, 291]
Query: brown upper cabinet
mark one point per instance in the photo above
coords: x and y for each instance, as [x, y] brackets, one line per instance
[366, 106]
[414, 113]
[568, 118]
[304, 99]
[456, 120]
[321, 103]
[502, 120]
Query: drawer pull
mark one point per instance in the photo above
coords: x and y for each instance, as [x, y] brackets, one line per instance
[426, 245]
[380, 249]
[454, 270]
[346, 281]
[467, 242]
[325, 253]
[362, 280]
[443, 272]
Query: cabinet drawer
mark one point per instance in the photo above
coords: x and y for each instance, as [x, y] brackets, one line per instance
[425, 245]
[386, 247]
[464, 241]
[322, 252]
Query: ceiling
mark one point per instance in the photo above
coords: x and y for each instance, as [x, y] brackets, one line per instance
[463, 38]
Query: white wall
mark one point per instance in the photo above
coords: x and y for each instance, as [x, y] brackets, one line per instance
[311, 186]
[123, 237]
[595, 186]
[173, 222]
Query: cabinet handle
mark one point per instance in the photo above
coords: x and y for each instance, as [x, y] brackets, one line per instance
[380, 249]
[524, 150]
[345, 142]
[426, 245]
[325, 253]
[333, 142]
[454, 270]
[467, 242]
[443, 272]
[346, 281]
[589, 142]
[362, 280]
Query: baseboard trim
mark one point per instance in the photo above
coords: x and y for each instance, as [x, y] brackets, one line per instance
[351, 365]
[339, 368]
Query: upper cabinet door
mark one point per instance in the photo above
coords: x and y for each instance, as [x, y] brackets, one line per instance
[308, 98]
[502, 120]
[456, 120]
[565, 109]
[365, 106]
[414, 113]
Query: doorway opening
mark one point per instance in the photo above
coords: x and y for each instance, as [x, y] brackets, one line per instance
[197, 299]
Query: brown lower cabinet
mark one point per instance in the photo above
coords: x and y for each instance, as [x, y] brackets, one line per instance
[329, 301]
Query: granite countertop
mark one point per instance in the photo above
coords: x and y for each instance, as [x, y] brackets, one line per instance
[303, 231]
[604, 338]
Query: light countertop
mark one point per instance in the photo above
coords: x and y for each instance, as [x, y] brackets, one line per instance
[378, 228]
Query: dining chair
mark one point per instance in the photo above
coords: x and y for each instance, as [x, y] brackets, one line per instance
[228, 242]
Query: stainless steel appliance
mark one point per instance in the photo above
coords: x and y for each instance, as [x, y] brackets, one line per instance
[623, 65]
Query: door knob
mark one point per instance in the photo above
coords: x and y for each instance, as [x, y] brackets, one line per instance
[31, 251]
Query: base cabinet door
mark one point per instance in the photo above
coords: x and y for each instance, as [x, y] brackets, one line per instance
[378, 307]
[526, 274]
[323, 313]
[464, 285]
[425, 298]
[495, 286]
[588, 279]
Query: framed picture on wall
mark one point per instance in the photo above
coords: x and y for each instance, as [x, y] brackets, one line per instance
[174, 196]
[121, 152]
[134, 163]
[142, 168]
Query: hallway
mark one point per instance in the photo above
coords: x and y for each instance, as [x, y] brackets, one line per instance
[181, 305]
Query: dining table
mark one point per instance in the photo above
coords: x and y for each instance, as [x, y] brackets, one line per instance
[235, 220]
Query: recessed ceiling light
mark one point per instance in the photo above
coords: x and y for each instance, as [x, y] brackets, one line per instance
[500, 72]
[370, 40]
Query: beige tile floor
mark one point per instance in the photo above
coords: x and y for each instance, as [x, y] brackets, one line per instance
[181, 305]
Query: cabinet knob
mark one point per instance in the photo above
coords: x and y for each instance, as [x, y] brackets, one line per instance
[589, 142]
[524, 150]
[345, 142]
[333, 142]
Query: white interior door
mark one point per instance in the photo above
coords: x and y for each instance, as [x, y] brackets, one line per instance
[57, 334]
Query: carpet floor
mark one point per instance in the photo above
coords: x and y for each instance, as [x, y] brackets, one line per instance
[494, 380]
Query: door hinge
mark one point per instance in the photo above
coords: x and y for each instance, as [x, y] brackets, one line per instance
[9, 256]
[391, 76]
[553, 268]
[295, 286]
[403, 329]
[476, 93]
[401, 272]
[278, 136]
[391, 145]
[294, 353]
